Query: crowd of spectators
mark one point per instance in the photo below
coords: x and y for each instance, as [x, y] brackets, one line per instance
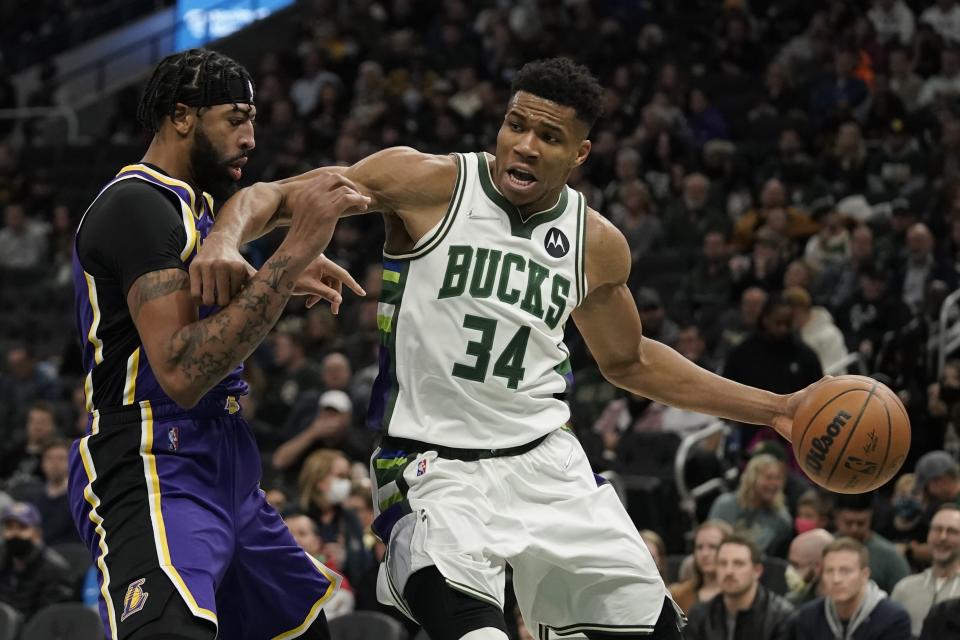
[787, 175]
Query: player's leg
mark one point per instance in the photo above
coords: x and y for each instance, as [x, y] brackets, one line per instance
[270, 572]
[448, 614]
[667, 628]
[589, 572]
[444, 564]
[175, 623]
[140, 519]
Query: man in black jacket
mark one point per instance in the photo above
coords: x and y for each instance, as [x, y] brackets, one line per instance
[31, 575]
[743, 610]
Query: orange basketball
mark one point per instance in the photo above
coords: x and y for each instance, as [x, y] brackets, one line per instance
[851, 435]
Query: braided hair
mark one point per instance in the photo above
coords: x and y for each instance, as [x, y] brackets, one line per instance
[197, 78]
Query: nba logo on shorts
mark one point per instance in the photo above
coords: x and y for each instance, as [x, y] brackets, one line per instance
[173, 437]
[134, 599]
[421, 467]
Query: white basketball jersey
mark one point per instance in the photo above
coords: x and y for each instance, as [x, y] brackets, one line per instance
[471, 320]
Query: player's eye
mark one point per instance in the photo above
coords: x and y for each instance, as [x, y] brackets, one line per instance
[515, 127]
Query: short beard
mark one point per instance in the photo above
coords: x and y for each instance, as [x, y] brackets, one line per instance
[209, 170]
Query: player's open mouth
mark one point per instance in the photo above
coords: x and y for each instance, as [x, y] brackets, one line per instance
[520, 179]
[236, 168]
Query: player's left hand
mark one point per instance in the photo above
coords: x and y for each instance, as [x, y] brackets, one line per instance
[783, 422]
[324, 280]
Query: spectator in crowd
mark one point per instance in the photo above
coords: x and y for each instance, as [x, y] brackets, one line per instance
[840, 282]
[904, 82]
[853, 517]
[773, 203]
[21, 458]
[920, 592]
[854, 607]
[812, 512]
[944, 17]
[744, 609]
[937, 476]
[688, 220]
[296, 374]
[736, 325]
[893, 21]
[330, 429]
[657, 548]
[840, 92]
[773, 358]
[816, 328]
[23, 241]
[703, 585]
[805, 558]
[31, 575]
[708, 288]
[872, 318]
[50, 496]
[25, 382]
[945, 84]
[653, 317]
[635, 214]
[324, 484]
[757, 508]
[920, 267]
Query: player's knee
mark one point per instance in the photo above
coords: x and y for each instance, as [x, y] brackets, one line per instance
[487, 633]
[447, 614]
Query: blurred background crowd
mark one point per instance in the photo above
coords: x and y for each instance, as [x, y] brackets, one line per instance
[787, 174]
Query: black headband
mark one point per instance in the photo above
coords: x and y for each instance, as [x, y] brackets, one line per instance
[236, 90]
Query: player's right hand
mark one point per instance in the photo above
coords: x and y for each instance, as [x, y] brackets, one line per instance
[316, 204]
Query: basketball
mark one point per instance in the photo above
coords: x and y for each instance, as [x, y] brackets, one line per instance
[851, 435]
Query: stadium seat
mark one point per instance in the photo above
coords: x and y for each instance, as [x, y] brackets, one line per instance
[65, 621]
[10, 621]
[78, 557]
[674, 562]
[366, 625]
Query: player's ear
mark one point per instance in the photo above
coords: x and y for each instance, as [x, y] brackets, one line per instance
[183, 118]
[582, 152]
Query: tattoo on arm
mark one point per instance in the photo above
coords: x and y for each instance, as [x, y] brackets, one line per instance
[206, 351]
[156, 285]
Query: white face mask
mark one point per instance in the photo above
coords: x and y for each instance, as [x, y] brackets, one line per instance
[339, 490]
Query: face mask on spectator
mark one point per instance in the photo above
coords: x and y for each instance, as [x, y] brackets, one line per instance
[339, 490]
[19, 547]
[907, 507]
[802, 525]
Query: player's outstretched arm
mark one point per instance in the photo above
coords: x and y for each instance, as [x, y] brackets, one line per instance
[401, 183]
[610, 324]
[190, 356]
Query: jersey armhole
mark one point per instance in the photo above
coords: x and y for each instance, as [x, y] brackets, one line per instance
[436, 235]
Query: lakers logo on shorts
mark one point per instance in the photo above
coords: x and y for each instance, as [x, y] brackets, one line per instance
[135, 598]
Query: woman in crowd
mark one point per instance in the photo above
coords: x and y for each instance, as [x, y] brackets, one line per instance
[702, 586]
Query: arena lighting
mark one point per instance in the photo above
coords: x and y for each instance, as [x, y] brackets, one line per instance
[204, 20]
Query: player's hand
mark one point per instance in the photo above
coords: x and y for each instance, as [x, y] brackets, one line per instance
[323, 279]
[218, 272]
[783, 422]
[315, 205]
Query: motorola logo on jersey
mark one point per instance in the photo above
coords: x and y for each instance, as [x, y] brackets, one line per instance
[556, 243]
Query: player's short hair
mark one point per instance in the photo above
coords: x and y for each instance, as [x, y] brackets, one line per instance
[565, 82]
[756, 557]
[848, 544]
[196, 78]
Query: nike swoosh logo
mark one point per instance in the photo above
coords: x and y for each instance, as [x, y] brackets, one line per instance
[477, 216]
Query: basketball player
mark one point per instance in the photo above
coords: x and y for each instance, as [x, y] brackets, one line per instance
[486, 257]
[164, 486]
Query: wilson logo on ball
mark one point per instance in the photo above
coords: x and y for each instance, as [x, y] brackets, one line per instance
[820, 447]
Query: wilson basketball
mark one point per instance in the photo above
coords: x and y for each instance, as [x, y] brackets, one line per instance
[851, 435]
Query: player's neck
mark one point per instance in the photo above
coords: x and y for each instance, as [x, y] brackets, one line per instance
[170, 159]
